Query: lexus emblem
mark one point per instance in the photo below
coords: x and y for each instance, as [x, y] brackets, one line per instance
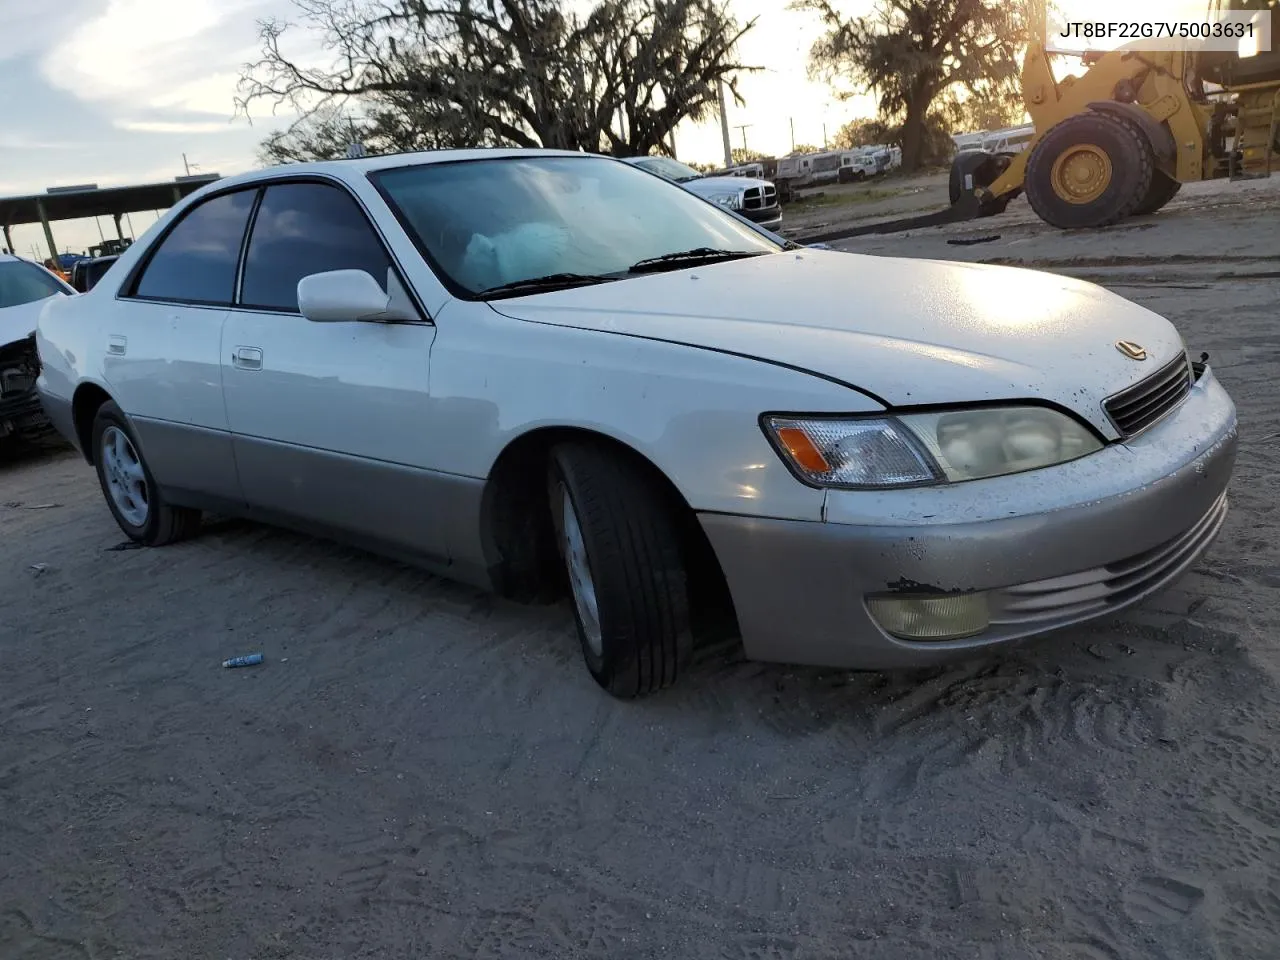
[1134, 351]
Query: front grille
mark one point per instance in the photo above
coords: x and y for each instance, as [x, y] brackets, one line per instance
[1082, 594]
[1140, 406]
[759, 198]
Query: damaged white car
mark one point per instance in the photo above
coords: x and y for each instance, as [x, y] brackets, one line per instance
[23, 287]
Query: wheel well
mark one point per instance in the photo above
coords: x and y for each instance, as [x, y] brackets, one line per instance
[84, 404]
[519, 535]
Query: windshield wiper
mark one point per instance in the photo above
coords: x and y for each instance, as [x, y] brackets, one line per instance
[552, 281]
[674, 261]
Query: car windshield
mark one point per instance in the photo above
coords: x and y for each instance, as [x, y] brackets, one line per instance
[671, 169]
[491, 223]
[22, 282]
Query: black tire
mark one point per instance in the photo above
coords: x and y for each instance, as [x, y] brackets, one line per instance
[1163, 189]
[1128, 153]
[984, 168]
[631, 538]
[162, 523]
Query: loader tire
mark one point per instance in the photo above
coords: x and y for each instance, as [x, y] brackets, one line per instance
[1163, 189]
[1091, 170]
[983, 167]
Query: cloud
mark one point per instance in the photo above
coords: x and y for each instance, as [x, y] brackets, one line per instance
[170, 126]
[16, 140]
[31, 27]
[153, 53]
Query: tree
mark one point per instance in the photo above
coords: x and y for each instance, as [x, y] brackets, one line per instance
[741, 155]
[324, 134]
[802, 148]
[471, 73]
[861, 133]
[981, 111]
[912, 52]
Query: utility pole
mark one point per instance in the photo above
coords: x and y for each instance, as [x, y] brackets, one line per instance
[824, 136]
[186, 166]
[793, 134]
[724, 126]
[743, 128]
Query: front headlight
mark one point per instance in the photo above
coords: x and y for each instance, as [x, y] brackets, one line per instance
[928, 448]
[732, 201]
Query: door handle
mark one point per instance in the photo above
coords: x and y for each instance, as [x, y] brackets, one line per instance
[117, 345]
[247, 358]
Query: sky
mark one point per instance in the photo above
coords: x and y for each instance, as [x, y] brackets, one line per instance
[118, 91]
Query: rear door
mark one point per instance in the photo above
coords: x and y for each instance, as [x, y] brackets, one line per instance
[329, 419]
[163, 347]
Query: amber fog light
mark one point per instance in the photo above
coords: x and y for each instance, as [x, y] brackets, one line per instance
[931, 616]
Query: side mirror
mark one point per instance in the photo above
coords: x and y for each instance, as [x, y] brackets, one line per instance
[342, 296]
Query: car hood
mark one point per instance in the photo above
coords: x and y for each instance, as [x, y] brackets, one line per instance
[719, 186]
[18, 323]
[908, 332]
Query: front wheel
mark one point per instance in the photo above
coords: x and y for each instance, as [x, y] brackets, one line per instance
[130, 489]
[619, 539]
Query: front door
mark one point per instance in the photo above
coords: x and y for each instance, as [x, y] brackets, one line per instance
[329, 420]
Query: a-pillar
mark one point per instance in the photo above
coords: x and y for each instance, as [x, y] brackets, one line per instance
[48, 233]
[119, 232]
[8, 239]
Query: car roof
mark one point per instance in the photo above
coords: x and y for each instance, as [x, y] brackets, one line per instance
[357, 167]
[14, 258]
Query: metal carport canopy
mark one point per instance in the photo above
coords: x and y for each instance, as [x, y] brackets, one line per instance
[84, 202]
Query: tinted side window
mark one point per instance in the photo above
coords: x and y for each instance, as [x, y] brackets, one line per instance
[22, 282]
[305, 228]
[196, 262]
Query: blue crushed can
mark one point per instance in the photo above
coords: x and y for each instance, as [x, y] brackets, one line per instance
[246, 661]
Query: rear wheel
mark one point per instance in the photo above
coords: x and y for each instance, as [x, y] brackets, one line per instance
[620, 541]
[1163, 189]
[1091, 170]
[130, 489]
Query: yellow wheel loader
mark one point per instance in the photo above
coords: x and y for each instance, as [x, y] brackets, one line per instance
[1121, 139]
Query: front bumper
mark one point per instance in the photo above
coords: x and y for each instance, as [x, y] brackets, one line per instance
[1053, 547]
[767, 217]
[21, 413]
[20, 408]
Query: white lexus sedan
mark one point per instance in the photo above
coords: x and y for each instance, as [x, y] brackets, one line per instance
[553, 374]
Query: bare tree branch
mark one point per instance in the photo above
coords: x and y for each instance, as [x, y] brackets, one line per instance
[451, 73]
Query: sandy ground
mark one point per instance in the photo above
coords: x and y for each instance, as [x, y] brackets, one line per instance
[419, 771]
